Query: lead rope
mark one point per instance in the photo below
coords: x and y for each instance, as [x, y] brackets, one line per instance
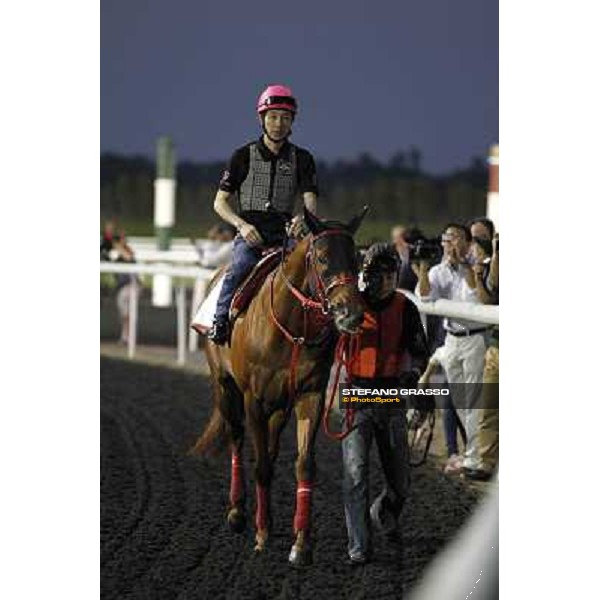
[346, 352]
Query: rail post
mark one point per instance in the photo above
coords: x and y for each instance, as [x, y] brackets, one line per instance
[181, 324]
[133, 318]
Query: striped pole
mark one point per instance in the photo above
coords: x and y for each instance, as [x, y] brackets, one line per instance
[164, 214]
[493, 212]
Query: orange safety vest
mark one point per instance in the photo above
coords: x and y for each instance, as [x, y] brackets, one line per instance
[379, 350]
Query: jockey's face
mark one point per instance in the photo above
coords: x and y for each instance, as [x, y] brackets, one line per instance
[278, 124]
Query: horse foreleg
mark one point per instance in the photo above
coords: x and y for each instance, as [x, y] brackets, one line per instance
[308, 411]
[263, 474]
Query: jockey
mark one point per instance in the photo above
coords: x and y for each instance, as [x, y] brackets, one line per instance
[264, 174]
[392, 352]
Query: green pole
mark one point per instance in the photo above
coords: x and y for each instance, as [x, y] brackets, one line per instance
[164, 214]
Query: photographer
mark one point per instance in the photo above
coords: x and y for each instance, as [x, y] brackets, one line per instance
[482, 228]
[426, 250]
[402, 239]
[480, 259]
[454, 279]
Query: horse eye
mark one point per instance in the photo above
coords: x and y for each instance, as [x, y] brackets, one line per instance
[322, 260]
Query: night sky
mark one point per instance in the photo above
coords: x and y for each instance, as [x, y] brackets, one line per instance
[376, 76]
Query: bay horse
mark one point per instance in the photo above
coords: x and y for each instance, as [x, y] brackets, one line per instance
[280, 359]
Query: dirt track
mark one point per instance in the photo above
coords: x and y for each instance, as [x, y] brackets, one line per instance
[163, 532]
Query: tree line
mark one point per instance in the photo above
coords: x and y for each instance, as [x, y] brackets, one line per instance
[398, 191]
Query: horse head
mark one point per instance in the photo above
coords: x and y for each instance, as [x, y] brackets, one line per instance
[333, 269]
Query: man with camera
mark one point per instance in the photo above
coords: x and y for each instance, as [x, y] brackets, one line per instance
[454, 279]
[401, 238]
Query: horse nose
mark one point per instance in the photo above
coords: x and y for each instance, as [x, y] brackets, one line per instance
[349, 321]
[353, 321]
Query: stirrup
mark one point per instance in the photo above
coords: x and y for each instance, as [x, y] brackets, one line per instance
[219, 333]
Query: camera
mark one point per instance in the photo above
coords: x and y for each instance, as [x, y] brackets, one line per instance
[424, 250]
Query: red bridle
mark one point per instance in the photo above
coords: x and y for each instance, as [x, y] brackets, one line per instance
[308, 303]
[321, 302]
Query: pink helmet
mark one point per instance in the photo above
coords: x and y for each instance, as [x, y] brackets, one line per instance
[276, 96]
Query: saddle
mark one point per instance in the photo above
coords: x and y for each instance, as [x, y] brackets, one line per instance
[250, 286]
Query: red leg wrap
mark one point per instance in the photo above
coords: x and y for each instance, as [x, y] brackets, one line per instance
[261, 507]
[236, 488]
[302, 517]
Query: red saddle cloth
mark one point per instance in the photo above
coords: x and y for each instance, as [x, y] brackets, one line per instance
[250, 286]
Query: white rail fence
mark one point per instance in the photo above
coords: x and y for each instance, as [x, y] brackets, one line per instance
[481, 313]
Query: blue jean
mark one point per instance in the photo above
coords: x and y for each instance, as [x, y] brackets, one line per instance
[243, 260]
[388, 427]
[452, 425]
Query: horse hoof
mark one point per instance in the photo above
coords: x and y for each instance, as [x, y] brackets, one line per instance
[300, 558]
[259, 549]
[236, 522]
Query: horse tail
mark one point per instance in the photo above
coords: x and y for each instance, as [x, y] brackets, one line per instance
[215, 437]
[224, 420]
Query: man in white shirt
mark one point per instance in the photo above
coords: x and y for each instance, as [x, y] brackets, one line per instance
[453, 279]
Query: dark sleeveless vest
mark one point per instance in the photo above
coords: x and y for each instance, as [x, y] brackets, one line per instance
[261, 186]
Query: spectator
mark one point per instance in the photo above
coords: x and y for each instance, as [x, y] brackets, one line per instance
[482, 228]
[217, 252]
[407, 280]
[480, 260]
[489, 422]
[393, 352]
[214, 253]
[106, 243]
[454, 279]
[127, 287]
[110, 235]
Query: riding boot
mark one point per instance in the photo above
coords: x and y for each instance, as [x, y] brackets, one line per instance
[219, 333]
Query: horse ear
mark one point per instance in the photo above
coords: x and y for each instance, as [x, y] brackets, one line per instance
[355, 221]
[312, 221]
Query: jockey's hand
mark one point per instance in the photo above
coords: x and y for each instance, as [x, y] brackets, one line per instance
[297, 228]
[250, 234]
